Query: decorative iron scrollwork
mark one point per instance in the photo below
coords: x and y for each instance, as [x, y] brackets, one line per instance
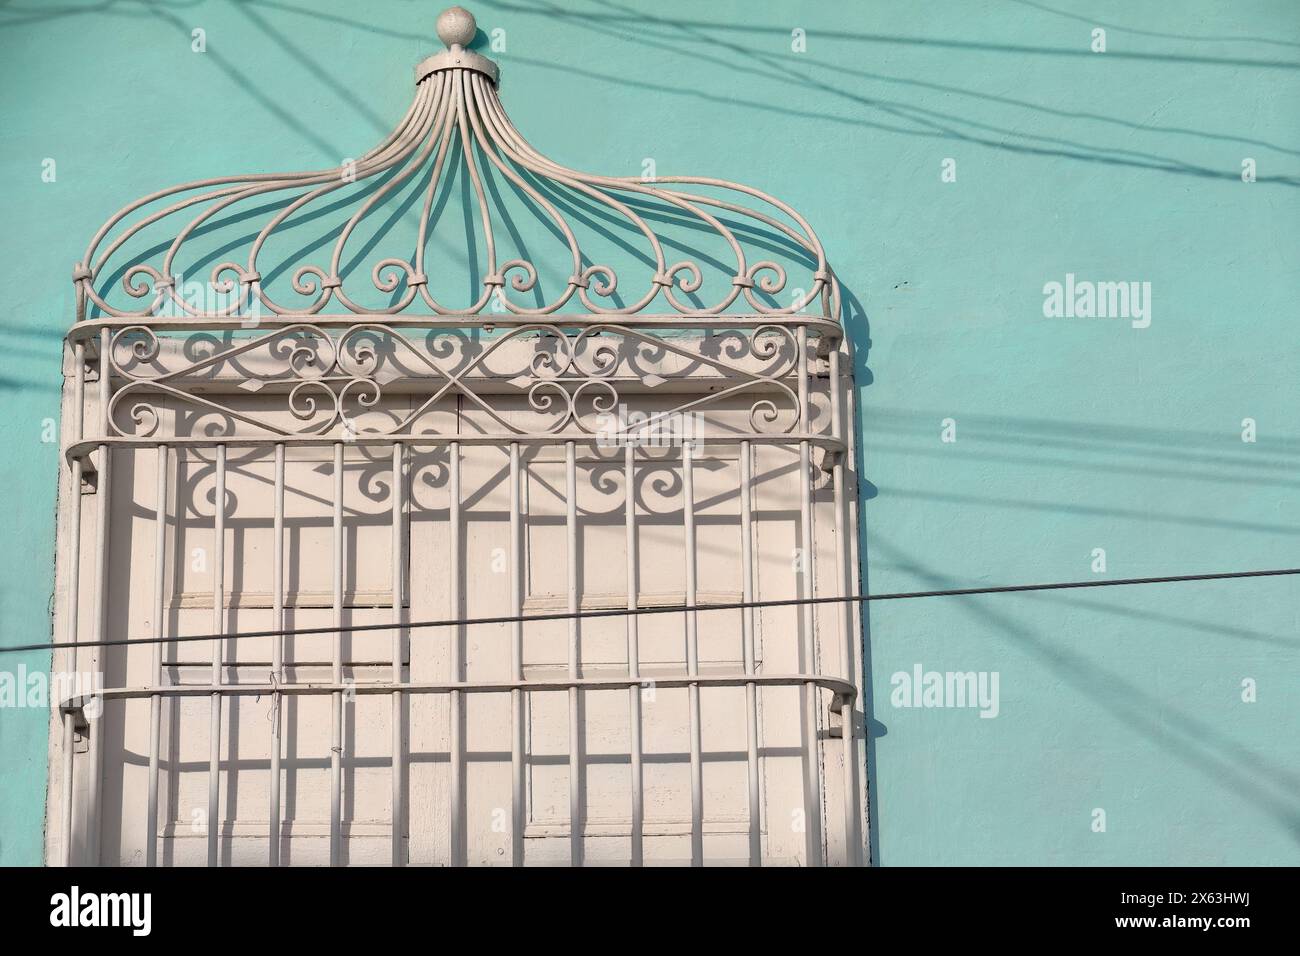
[455, 123]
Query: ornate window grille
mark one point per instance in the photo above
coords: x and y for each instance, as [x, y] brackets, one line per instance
[319, 441]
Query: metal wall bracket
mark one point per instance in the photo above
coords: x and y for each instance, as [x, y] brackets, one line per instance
[89, 476]
[834, 720]
[75, 706]
[830, 457]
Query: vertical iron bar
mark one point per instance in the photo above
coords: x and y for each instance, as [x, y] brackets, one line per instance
[457, 821]
[516, 671]
[336, 698]
[812, 784]
[851, 837]
[65, 851]
[100, 612]
[218, 626]
[571, 521]
[398, 792]
[74, 588]
[155, 701]
[633, 652]
[747, 630]
[693, 659]
[277, 654]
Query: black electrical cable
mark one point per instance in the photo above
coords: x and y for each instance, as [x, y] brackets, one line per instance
[667, 609]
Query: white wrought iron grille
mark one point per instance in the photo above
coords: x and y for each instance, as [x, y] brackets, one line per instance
[285, 449]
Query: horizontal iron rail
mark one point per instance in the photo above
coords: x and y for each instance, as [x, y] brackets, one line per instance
[843, 689]
[82, 449]
[88, 330]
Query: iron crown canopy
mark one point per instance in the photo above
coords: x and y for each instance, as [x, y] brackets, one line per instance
[456, 128]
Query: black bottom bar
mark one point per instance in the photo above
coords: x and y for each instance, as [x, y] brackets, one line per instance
[916, 908]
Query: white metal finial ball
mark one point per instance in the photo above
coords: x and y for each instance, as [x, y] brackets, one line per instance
[456, 27]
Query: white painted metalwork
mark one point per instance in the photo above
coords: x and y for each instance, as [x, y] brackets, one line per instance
[279, 402]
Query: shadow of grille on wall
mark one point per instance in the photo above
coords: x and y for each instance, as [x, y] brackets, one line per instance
[313, 440]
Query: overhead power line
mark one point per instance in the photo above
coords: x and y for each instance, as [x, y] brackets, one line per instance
[664, 609]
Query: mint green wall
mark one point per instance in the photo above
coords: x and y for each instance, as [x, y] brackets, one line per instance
[1072, 434]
